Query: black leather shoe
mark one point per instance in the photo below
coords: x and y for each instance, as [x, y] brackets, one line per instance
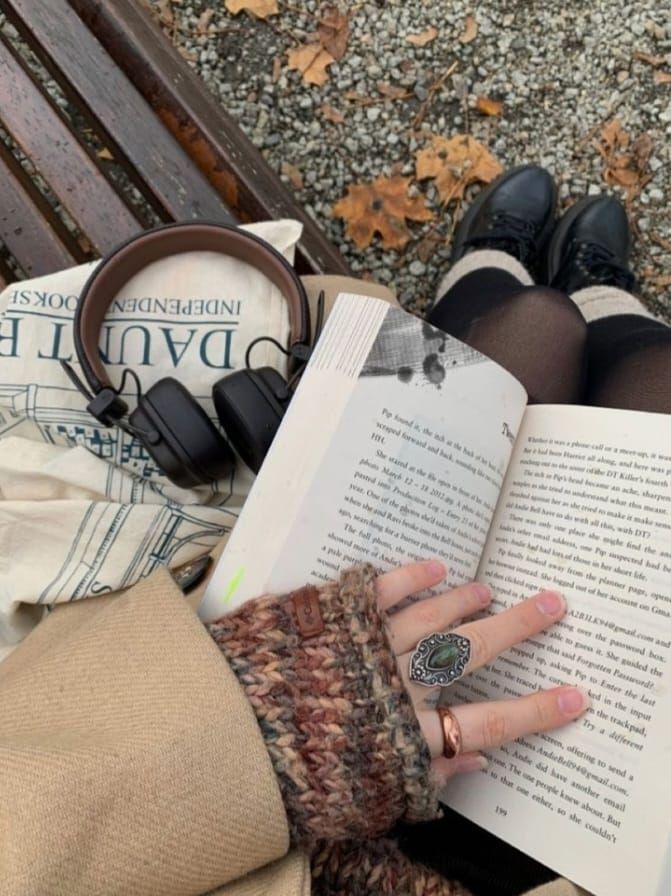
[590, 247]
[514, 214]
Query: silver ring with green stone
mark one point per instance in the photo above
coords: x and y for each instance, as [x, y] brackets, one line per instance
[439, 659]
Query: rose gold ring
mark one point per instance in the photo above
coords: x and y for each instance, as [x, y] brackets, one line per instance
[451, 732]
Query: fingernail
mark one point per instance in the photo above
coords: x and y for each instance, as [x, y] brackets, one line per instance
[551, 603]
[436, 568]
[475, 763]
[483, 593]
[573, 701]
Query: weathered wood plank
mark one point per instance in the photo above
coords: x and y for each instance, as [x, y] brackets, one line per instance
[29, 228]
[205, 130]
[65, 165]
[87, 74]
[6, 274]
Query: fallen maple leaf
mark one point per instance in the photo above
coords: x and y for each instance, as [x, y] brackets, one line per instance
[487, 106]
[331, 114]
[662, 77]
[470, 30]
[625, 162]
[259, 8]
[455, 164]
[334, 31]
[380, 207]
[311, 60]
[423, 38]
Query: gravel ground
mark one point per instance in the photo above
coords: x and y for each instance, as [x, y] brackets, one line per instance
[561, 69]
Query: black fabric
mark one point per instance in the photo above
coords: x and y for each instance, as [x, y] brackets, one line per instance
[460, 850]
[535, 332]
[539, 335]
[629, 364]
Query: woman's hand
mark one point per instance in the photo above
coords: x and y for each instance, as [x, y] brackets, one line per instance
[483, 725]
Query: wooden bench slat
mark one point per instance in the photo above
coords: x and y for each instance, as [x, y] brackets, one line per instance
[205, 130]
[84, 69]
[6, 275]
[65, 165]
[30, 229]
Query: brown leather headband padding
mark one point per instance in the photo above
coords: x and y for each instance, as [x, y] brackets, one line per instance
[132, 257]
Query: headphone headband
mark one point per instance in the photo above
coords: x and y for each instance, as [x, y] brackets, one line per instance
[172, 239]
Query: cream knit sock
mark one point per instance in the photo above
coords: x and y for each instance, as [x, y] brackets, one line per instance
[484, 258]
[606, 301]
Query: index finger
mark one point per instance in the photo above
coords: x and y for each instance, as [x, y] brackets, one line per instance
[393, 586]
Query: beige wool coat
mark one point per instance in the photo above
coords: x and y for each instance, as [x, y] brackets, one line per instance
[131, 763]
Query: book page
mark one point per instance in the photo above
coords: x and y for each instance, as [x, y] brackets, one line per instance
[586, 509]
[394, 449]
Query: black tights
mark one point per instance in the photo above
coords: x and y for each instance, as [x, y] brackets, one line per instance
[539, 335]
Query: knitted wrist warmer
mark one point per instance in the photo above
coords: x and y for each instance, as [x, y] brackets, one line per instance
[339, 726]
[376, 868]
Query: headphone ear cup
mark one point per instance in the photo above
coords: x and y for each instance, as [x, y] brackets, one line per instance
[250, 405]
[180, 436]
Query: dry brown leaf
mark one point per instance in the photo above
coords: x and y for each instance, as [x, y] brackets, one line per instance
[105, 154]
[470, 30]
[165, 13]
[455, 164]
[426, 248]
[311, 60]
[353, 96]
[487, 106]
[655, 61]
[391, 90]
[423, 38]
[662, 77]
[624, 162]
[259, 8]
[661, 280]
[334, 31]
[380, 207]
[331, 114]
[293, 175]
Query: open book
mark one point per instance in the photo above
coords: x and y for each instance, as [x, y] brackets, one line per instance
[402, 443]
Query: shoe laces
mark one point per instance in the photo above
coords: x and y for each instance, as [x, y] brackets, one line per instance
[510, 234]
[600, 266]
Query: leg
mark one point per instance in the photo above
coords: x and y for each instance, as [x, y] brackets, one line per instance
[629, 352]
[535, 332]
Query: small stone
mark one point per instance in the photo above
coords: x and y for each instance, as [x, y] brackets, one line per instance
[656, 195]
[373, 113]
[445, 656]
[417, 268]
[421, 93]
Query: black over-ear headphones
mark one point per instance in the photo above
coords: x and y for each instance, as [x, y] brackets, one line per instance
[168, 420]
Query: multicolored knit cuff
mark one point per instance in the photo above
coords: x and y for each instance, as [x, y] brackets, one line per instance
[376, 868]
[319, 671]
